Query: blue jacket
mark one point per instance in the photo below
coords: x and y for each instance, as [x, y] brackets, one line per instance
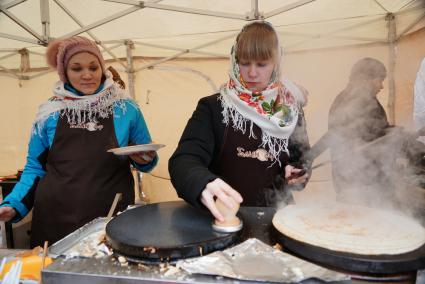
[129, 126]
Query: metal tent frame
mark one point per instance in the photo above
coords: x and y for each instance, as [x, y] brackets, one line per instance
[254, 13]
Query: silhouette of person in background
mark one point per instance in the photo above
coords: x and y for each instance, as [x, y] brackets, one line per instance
[356, 119]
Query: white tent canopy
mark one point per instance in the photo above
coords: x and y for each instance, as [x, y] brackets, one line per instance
[176, 28]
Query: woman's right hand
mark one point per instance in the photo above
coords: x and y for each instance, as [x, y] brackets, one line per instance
[221, 190]
[7, 213]
[144, 157]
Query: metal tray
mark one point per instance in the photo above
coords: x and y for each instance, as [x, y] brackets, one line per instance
[61, 247]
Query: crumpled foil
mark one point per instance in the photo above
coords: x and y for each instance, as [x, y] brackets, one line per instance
[90, 246]
[257, 261]
[87, 241]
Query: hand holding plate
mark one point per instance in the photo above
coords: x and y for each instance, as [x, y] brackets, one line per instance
[144, 157]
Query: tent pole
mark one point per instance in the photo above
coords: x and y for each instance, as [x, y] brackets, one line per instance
[392, 36]
[254, 9]
[75, 19]
[10, 72]
[45, 19]
[9, 55]
[414, 23]
[286, 8]
[131, 75]
[19, 38]
[130, 68]
[102, 22]
[12, 4]
[22, 24]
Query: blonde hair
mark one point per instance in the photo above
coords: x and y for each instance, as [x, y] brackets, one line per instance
[257, 41]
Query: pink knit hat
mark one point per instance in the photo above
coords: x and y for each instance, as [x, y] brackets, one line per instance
[60, 51]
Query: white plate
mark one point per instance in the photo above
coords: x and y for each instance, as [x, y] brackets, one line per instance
[136, 149]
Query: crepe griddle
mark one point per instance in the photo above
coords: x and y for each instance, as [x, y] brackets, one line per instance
[366, 264]
[165, 232]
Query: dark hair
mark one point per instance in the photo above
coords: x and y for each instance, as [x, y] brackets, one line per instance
[368, 68]
[257, 41]
[116, 77]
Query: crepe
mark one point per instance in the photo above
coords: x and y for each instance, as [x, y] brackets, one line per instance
[351, 228]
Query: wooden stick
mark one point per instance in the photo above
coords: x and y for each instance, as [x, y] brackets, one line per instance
[45, 248]
[114, 204]
[43, 259]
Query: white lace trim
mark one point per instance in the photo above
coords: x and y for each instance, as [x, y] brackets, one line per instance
[275, 146]
[81, 109]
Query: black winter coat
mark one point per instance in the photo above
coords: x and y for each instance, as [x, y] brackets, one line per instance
[192, 165]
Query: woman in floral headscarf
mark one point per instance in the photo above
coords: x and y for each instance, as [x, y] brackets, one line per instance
[238, 141]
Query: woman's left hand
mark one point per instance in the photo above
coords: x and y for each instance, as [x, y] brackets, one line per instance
[292, 175]
[143, 158]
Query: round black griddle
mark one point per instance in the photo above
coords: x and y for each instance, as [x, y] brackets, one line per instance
[355, 263]
[165, 232]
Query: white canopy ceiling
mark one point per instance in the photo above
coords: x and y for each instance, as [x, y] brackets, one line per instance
[175, 28]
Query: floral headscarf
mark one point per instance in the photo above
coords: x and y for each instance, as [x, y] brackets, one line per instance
[274, 110]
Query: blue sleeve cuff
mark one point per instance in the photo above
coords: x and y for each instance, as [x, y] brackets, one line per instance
[148, 167]
[21, 210]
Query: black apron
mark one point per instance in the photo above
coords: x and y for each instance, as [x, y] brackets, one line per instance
[81, 180]
[246, 166]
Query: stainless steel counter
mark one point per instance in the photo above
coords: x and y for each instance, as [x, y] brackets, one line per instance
[102, 271]
[106, 270]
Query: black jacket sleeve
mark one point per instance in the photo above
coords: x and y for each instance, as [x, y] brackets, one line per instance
[189, 166]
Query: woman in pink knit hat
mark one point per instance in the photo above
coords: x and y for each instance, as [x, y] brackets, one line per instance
[69, 177]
